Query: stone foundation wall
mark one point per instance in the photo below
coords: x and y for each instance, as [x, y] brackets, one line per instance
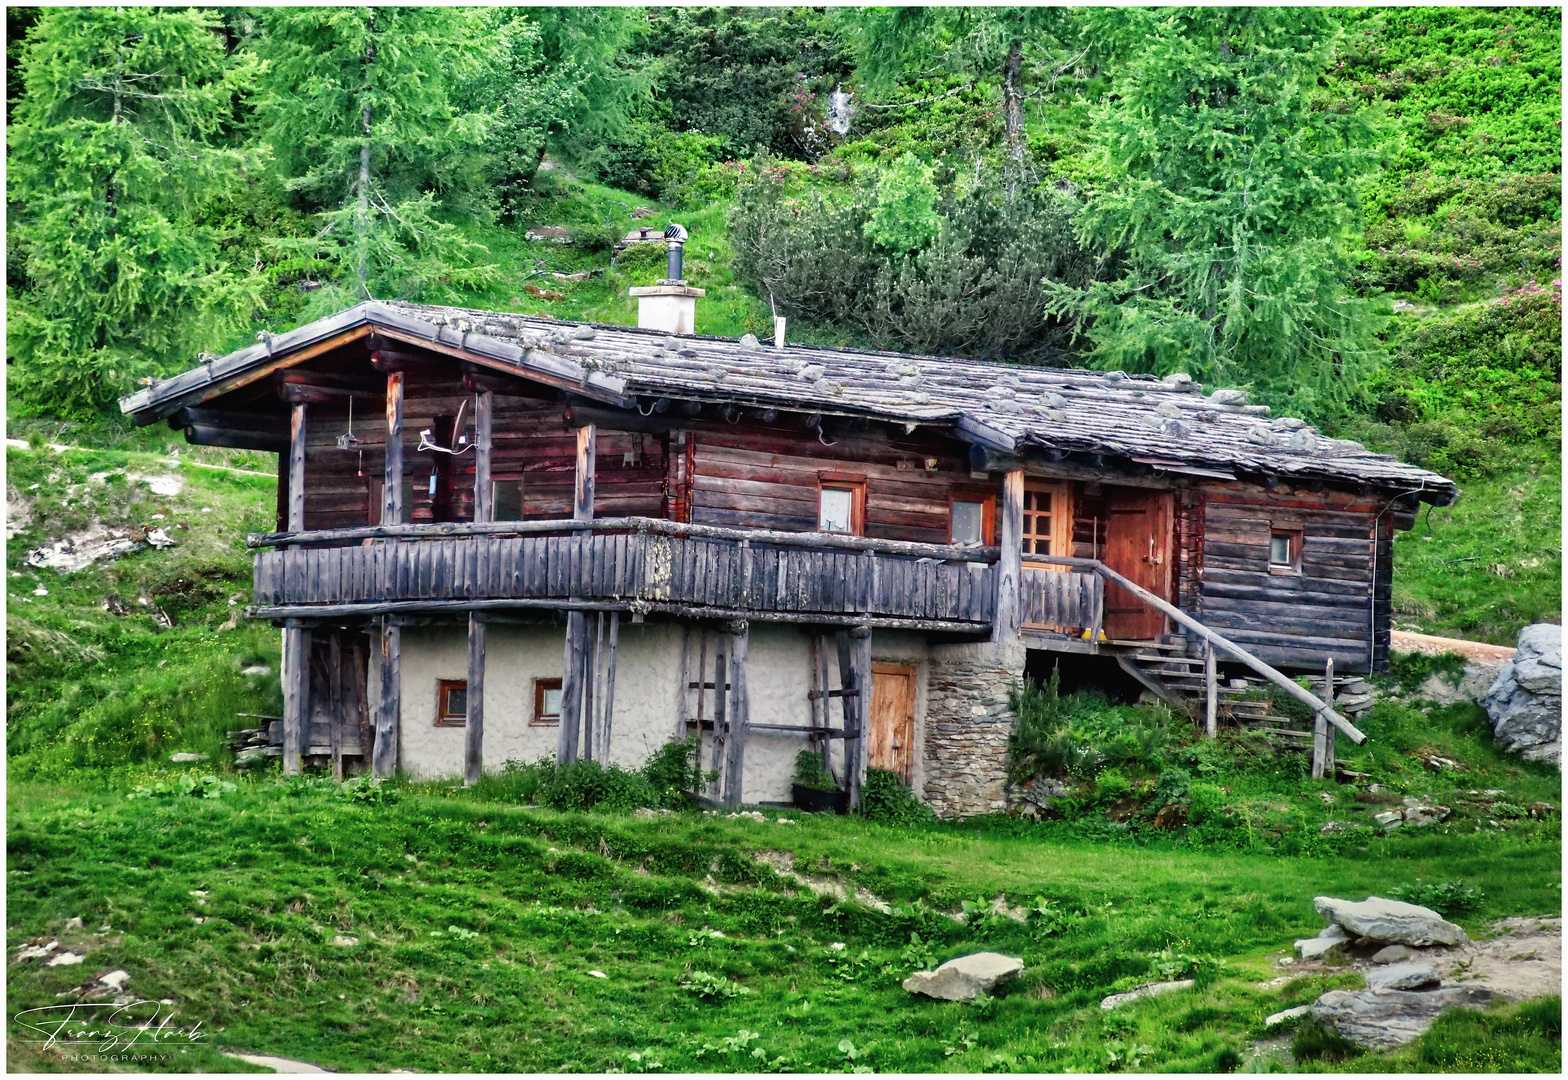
[968, 722]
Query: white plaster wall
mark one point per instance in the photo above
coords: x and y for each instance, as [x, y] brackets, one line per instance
[650, 700]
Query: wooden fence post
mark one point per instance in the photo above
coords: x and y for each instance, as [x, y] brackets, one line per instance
[574, 660]
[296, 693]
[738, 715]
[1211, 703]
[389, 704]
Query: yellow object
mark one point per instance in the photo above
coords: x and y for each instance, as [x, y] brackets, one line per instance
[1089, 633]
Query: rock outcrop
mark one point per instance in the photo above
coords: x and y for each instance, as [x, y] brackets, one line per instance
[966, 977]
[1526, 701]
[1382, 1020]
[1390, 922]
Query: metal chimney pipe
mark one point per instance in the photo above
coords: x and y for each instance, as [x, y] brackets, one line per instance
[676, 235]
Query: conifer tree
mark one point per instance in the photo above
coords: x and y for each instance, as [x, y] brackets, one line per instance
[1228, 190]
[112, 154]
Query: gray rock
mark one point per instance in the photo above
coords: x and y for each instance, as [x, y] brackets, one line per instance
[65, 959]
[249, 756]
[1286, 1014]
[1403, 977]
[1383, 1020]
[115, 980]
[1141, 992]
[1331, 941]
[1526, 702]
[181, 759]
[1229, 397]
[1391, 954]
[1439, 690]
[1390, 921]
[749, 341]
[966, 977]
[73, 923]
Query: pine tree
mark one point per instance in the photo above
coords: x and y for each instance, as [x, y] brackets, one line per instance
[360, 106]
[1228, 193]
[113, 151]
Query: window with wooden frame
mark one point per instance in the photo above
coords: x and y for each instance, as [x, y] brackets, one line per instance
[841, 503]
[452, 703]
[1048, 519]
[1284, 551]
[972, 518]
[547, 702]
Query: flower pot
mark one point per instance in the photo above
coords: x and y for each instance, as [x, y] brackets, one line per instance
[818, 801]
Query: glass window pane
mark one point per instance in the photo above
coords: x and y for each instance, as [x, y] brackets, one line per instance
[456, 701]
[837, 506]
[1279, 550]
[552, 701]
[968, 522]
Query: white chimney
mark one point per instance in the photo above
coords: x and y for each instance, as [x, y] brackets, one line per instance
[670, 305]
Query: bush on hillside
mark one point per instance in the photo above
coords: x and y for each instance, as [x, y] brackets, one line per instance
[1079, 737]
[884, 798]
[662, 782]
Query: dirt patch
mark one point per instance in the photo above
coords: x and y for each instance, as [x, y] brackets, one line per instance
[783, 864]
[97, 542]
[1524, 960]
[18, 512]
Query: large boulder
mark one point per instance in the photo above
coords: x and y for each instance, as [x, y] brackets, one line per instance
[1402, 977]
[1390, 921]
[1381, 1020]
[1526, 701]
[966, 977]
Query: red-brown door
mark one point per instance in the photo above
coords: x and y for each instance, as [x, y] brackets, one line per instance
[1137, 546]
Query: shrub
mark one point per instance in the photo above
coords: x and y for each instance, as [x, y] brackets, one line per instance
[1079, 736]
[885, 798]
[1445, 898]
[673, 770]
[811, 773]
[588, 785]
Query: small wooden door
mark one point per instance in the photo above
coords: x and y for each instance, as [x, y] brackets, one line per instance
[1137, 546]
[892, 735]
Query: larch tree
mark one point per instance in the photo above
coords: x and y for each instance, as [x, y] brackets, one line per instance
[360, 106]
[1227, 193]
[115, 145]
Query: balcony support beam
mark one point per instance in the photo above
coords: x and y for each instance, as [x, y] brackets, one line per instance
[576, 659]
[474, 727]
[392, 483]
[738, 716]
[1009, 567]
[296, 693]
[484, 497]
[389, 702]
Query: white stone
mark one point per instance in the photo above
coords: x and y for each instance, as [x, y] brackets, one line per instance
[345, 941]
[65, 959]
[74, 923]
[115, 980]
[35, 952]
[1148, 991]
[1390, 921]
[966, 977]
[181, 759]
[1286, 1014]
[1329, 942]
[1391, 954]
[1402, 977]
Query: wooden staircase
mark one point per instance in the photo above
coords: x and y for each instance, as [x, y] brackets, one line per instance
[1166, 670]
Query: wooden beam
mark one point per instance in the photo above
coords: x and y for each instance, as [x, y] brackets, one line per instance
[861, 704]
[296, 693]
[295, 394]
[1275, 677]
[1322, 761]
[364, 384]
[739, 715]
[587, 442]
[297, 468]
[390, 701]
[338, 715]
[571, 688]
[659, 526]
[591, 688]
[721, 688]
[234, 439]
[474, 726]
[1009, 567]
[392, 482]
[484, 496]
[609, 683]
[275, 424]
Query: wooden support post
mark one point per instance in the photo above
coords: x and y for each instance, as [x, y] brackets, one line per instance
[609, 683]
[864, 687]
[1322, 732]
[484, 501]
[297, 469]
[1211, 700]
[721, 686]
[1333, 732]
[591, 690]
[296, 693]
[336, 713]
[587, 442]
[738, 715]
[1009, 565]
[390, 702]
[392, 479]
[572, 687]
[474, 742]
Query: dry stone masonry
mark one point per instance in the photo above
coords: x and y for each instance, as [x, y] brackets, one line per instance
[968, 723]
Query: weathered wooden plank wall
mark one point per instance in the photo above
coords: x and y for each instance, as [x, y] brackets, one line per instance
[1290, 619]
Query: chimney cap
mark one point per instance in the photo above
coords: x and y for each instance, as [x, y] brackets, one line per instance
[675, 234]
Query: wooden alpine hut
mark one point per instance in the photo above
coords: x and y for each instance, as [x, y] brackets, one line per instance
[500, 537]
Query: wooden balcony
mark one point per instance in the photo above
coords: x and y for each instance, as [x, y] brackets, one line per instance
[630, 564]
[1067, 599]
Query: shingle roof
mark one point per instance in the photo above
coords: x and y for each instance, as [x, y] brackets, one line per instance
[1164, 422]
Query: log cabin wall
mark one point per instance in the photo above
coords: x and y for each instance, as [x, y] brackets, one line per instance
[533, 464]
[767, 477]
[1292, 619]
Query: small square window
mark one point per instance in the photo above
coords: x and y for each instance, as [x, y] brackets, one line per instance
[968, 522]
[841, 506]
[452, 703]
[547, 701]
[1285, 551]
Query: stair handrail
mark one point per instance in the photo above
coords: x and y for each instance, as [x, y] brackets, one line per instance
[1306, 697]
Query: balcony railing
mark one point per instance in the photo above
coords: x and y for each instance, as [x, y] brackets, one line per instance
[636, 564]
[1067, 599]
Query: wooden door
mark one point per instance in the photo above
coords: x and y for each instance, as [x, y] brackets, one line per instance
[892, 734]
[1137, 546]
